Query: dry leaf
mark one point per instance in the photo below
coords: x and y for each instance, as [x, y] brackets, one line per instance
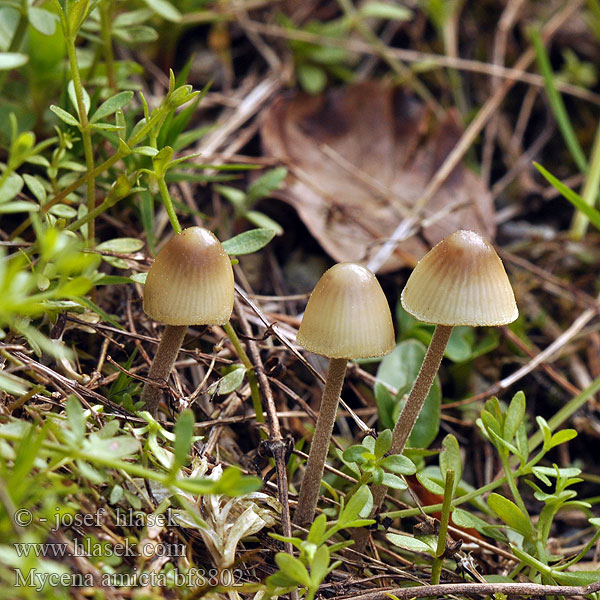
[359, 158]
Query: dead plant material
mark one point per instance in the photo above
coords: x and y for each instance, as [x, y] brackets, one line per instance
[360, 157]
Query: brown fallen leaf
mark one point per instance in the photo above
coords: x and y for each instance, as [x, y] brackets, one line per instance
[359, 158]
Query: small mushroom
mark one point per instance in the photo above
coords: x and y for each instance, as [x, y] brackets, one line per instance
[460, 281]
[347, 316]
[189, 283]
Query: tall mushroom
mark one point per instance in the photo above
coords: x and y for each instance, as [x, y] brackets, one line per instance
[189, 283]
[346, 317]
[460, 281]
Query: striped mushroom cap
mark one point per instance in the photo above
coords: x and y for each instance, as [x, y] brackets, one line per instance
[190, 281]
[347, 315]
[460, 281]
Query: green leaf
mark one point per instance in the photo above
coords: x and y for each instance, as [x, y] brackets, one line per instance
[460, 344]
[575, 199]
[12, 385]
[11, 187]
[319, 566]
[161, 161]
[184, 434]
[393, 481]
[293, 568]
[165, 9]
[139, 277]
[383, 443]
[514, 416]
[383, 10]
[262, 221]
[508, 512]
[12, 60]
[359, 505]
[317, 530]
[111, 106]
[546, 432]
[248, 242]
[77, 14]
[232, 380]
[400, 369]
[265, 184]
[75, 418]
[462, 518]
[236, 196]
[312, 79]
[409, 543]
[115, 447]
[430, 485]
[19, 206]
[63, 211]
[42, 20]
[562, 436]
[354, 454]
[63, 115]
[35, 187]
[399, 464]
[73, 97]
[121, 245]
[450, 459]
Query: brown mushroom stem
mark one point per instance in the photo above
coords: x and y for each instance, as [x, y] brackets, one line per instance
[311, 484]
[408, 417]
[162, 365]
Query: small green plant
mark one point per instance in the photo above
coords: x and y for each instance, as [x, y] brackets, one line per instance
[370, 463]
[314, 561]
[243, 202]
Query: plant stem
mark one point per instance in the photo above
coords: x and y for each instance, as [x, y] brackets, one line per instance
[162, 365]
[436, 569]
[156, 120]
[408, 417]
[166, 198]
[256, 401]
[105, 32]
[311, 484]
[86, 137]
[590, 190]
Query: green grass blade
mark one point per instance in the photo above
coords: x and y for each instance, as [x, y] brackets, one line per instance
[556, 102]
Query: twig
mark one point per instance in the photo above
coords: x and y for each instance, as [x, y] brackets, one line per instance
[481, 589]
[277, 444]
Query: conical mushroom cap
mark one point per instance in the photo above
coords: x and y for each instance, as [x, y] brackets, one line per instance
[347, 315]
[460, 281]
[190, 281]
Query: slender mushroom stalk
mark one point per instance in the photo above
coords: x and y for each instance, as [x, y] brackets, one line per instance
[347, 317]
[189, 283]
[461, 281]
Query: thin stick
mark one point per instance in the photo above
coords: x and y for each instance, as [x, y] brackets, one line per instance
[309, 492]
[162, 365]
[277, 444]
[445, 590]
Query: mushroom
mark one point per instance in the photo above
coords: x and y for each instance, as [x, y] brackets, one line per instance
[347, 316]
[460, 281]
[189, 283]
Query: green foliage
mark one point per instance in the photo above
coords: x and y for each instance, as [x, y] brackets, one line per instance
[243, 202]
[315, 63]
[369, 463]
[314, 561]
